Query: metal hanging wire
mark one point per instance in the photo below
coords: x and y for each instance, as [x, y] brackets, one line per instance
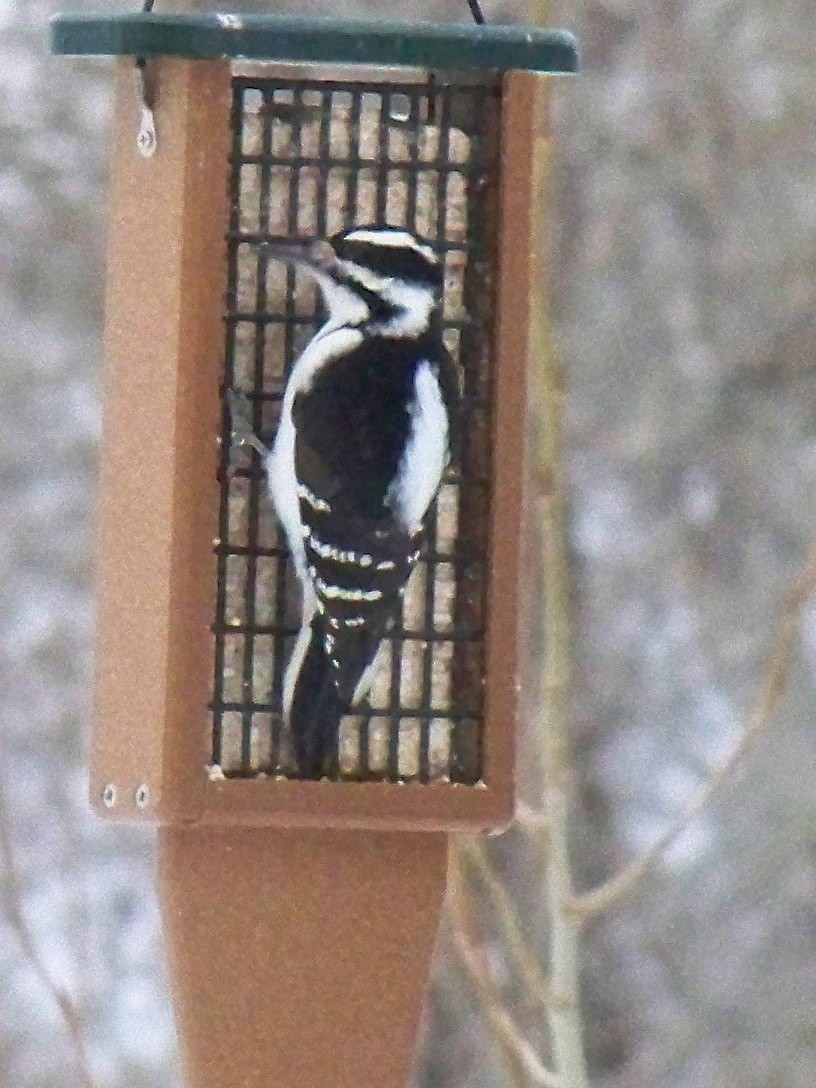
[476, 12]
[146, 140]
[478, 18]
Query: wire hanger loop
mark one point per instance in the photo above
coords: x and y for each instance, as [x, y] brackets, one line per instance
[147, 139]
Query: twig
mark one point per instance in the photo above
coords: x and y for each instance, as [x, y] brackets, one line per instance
[472, 960]
[564, 1013]
[520, 1058]
[531, 822]
[11, 897]
[766, 703]
[563, 1009]
[517, 944]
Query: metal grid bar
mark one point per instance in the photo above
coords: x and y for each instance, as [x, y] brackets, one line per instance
[474, 455]
[309, 158]
[280, 552]
[422, 713]
[424, 634]
[414, 88]
[280, 644]
[264, 318]
[258, 347]
[224, 460]
[352, 195]
[330, 162]
[255, 237]
[451, 478]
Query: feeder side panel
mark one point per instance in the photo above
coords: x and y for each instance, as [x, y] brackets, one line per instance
[163, 353]
[299, 957]
[203, 274]
[526, 97]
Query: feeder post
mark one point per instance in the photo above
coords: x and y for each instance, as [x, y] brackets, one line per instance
[299, 958]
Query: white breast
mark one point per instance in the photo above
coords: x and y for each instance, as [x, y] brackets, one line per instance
[426, 453]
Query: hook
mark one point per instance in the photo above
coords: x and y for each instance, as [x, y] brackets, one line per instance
[147, 140]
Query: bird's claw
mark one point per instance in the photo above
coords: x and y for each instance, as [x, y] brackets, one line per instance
[241, 429]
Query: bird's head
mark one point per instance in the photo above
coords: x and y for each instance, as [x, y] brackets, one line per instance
[378, 275]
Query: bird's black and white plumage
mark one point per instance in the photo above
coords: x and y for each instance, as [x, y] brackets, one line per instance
[366, 432]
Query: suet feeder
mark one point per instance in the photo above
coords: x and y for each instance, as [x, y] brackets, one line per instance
[300, 915]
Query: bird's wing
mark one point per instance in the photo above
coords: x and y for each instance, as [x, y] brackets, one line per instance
[280, 464]
[352, 427]
[427, 450]
[352, 423]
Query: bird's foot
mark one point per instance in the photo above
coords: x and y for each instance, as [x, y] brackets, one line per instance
[242, 431]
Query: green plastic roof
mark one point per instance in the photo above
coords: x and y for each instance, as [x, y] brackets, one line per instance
[458, 46]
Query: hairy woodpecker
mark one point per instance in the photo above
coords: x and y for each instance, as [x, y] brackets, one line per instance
[367, 426]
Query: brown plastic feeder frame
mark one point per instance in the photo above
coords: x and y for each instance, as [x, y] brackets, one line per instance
[300, 916]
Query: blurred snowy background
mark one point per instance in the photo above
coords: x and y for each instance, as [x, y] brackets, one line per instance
[684, 257]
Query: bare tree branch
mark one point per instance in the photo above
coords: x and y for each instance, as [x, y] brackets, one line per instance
[770, 693]
[532, 823]
[522, 1062]
[563, 1008]
[12, 902]
[530, 970]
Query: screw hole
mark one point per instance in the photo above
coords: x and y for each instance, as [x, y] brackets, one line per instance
[142, 797]
[146, 141]
[109, 795]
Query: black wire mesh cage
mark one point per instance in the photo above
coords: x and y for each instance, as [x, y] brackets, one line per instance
[428, 129]
[311, 157]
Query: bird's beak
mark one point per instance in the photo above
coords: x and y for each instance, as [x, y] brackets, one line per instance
[317, 255]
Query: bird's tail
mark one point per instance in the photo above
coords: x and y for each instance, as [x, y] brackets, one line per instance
[331, 670]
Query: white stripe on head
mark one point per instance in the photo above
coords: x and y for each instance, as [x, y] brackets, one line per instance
[366, 277]
[345, 307]
[389, 236]
[413, 305]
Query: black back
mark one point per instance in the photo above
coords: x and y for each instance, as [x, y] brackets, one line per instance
[354, 421]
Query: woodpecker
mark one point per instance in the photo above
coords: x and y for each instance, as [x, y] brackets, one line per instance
[368, 422]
